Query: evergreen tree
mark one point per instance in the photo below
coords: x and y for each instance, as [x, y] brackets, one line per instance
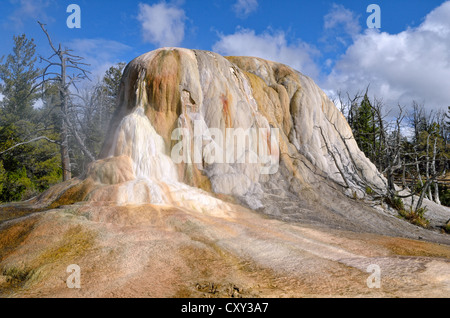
[18, 74]
[27, 163]
[110, 86]
[365, 128]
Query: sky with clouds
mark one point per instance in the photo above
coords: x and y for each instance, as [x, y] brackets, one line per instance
[407, 59]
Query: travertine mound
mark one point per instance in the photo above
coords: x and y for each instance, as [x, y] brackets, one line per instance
[174, 102]
[174, 140]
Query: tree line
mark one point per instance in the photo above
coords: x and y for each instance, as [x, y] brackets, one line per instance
[408, 145]
[50, 128]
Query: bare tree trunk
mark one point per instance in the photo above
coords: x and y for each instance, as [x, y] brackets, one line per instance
[78, 139]
[65, 157]
[422, 194]
[427, 170]
[404, 174]
[374, 137]
[419, 176]
[344, 178]
[433, 168]
[66, 61]
[413, 185]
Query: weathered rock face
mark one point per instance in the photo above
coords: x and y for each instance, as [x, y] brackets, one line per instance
[191, 120]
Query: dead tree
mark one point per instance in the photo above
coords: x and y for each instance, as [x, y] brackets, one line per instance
[59, 64]
[434, 172]
[333, 156]
[394, 156]
[393, 153]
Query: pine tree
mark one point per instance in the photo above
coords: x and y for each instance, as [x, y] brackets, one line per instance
[18, 74]
[110, 86]
[16, 111]
[28, 164]
[364, 128]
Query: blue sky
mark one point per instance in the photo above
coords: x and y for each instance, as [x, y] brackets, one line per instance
[407, 59]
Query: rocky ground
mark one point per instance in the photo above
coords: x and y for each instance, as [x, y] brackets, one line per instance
[163, 251]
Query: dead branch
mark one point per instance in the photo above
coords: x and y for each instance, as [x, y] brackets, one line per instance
[28, 142]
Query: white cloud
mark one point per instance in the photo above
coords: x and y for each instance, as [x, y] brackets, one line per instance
[28, 10]
[99, 53]
[340, 17]
[271, 46]
[162, 24]
[341, 25]
[411, 65]
[244, 7]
